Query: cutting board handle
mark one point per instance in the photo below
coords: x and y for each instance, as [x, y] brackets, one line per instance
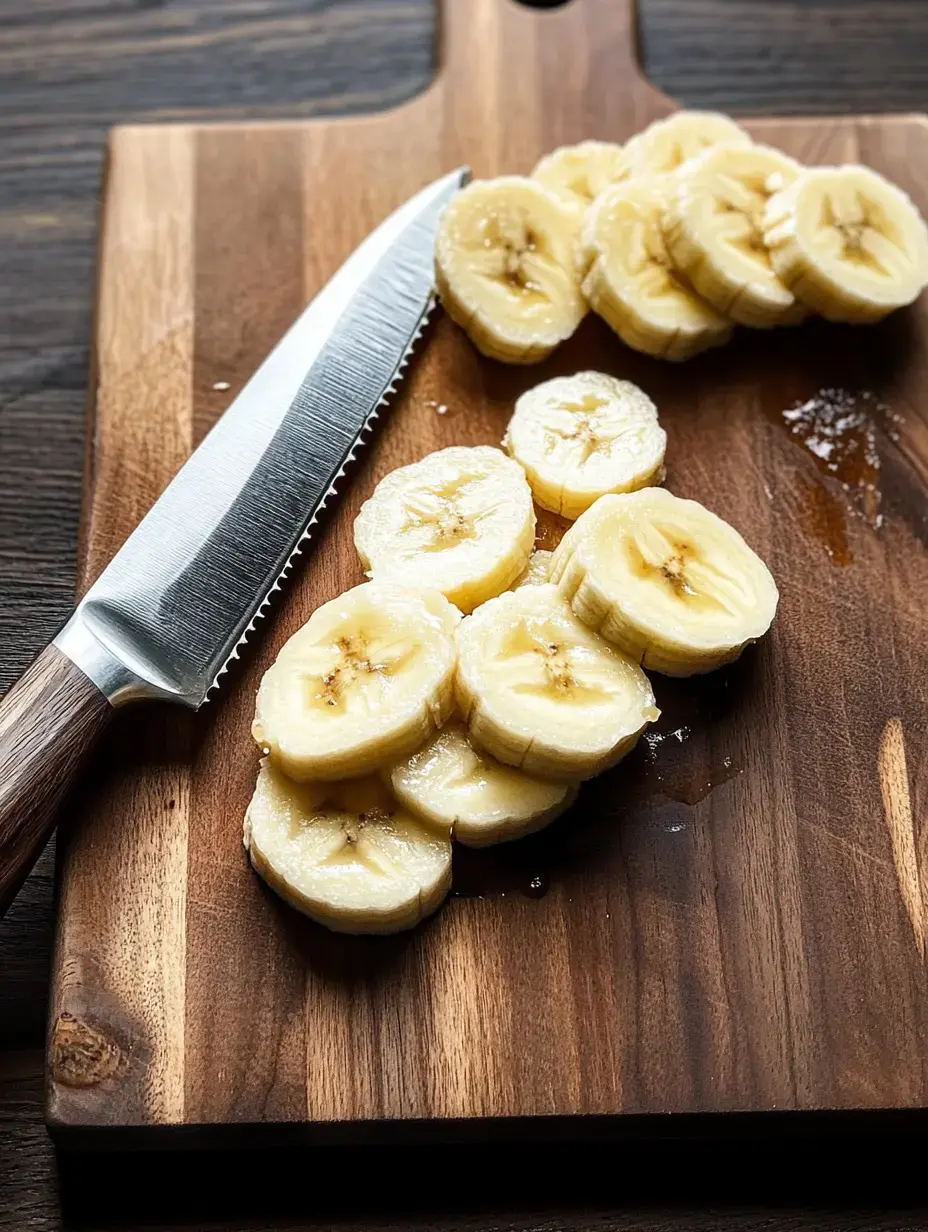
[49, 721]
[475, 35]
[574, 70]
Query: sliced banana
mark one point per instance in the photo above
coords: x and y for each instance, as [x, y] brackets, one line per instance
[578, 437]
[461, 520]
[847, 243]
[715, 235]
[665, 580]
[505, 268]
[579, 173]
[452, 784]
[366, 680]
[631, 281]
[536, 571]
[668, 144]
[346, 854]
[539, 690]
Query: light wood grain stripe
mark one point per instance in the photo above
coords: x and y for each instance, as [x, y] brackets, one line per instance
[469, 1031]
[124, 902]
[897, 805]
[150, 230]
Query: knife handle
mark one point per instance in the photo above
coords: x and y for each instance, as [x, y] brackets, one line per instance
[49, 722]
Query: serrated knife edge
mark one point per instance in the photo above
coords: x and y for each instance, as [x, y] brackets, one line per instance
[115, 636]
[183, 594]
[361, 441]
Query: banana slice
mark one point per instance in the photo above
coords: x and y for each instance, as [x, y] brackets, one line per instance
[536, 571]
[714, 232]
[460, 520]
[579, 173]
[366, 680]
[346, 854]
[577, 437]
[631, 281]
[666, 581]
[505, 268]
[667, 144]
[450, 783]
[539, 690]
[847, 243]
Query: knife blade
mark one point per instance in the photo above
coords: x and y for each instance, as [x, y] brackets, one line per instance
[183, 593]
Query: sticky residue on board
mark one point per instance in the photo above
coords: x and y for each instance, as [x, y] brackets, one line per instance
[687, 780]
[550, 529]
[838, 429]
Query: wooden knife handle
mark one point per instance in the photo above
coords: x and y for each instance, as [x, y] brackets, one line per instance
[49, 721]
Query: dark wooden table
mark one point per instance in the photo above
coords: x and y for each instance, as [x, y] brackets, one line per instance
[68, 70]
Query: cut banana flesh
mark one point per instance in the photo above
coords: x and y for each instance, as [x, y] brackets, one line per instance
[715, 235]
[505, 268]
[537, 570]
[460, 520]
[578, 437]
[847, 243]
[539, 690]
[631, 281]
[668, 144]
[455, 785]
[366, 680]
[665, 580]
[579, 173]
[346, 854]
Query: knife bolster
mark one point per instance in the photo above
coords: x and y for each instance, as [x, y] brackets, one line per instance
[107, 659]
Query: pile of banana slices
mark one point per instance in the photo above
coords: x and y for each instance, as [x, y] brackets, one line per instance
[472, 684]
[687, 230]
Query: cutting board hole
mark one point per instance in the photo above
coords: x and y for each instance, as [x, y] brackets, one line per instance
[542, 4]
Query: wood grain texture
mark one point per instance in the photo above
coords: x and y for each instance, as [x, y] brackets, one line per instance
[129, 1035]
[50, 159]
[49, 722]
[838, 1186]
[69, 69]
[754, 56]
[724, 928]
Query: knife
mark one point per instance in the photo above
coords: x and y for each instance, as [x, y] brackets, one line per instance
[184, 592]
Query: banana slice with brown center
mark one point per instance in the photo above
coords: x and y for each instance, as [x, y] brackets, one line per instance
[461, 520]
[665, 580]
[715, 233]
[539, 690]
[580, 436]
[347, 854]
[367, 679]
[847, 243]
[505, 268]
[631, 281]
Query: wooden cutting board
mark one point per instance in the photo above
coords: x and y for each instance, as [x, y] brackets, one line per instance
[736, 918]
